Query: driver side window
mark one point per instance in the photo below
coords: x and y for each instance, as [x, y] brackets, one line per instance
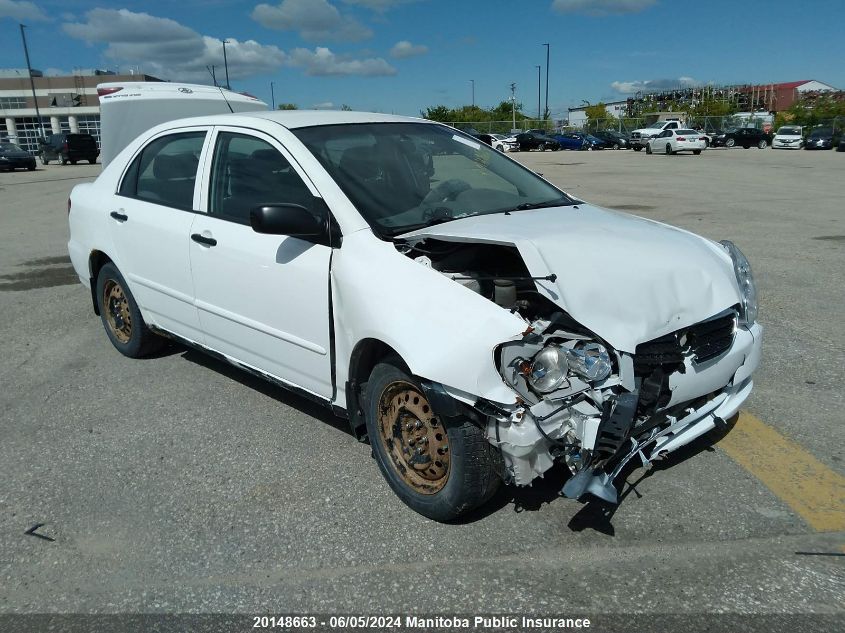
[247, 172]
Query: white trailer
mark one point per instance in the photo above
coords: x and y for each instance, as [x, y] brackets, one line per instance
[129, 108]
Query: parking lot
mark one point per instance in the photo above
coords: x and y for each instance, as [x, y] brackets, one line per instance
[178, 483]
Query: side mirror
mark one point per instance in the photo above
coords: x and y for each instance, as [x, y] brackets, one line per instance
[288, 219]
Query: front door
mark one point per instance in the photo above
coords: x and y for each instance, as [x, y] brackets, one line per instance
[262, 299]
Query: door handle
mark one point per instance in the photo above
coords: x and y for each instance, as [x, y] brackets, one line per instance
[202, 239]
[120, 217]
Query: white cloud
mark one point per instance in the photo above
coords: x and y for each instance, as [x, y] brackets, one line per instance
[653, 85]
[601, 7]
[379, 6]
[22, 10]
[325, 105]
[322, 62]
[169, 50]
[315, 20]
[405, 49]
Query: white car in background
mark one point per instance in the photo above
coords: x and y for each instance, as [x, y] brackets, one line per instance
[505, 143]
[473, 321]
[674, 141]
[788, 137]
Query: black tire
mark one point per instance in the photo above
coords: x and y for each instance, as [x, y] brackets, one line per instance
[647, 149]
[730, 142]
[762, 144]
[73, 162]
[44, 161]
[669, 151]
[637, 148]
[616, 146]
[31, 168]
[92, 161]
[542, 147]
[64, 160]
[470, 479]
[139, 340]
[697, 152]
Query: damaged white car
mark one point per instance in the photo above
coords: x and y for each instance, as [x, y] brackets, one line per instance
[473, 321]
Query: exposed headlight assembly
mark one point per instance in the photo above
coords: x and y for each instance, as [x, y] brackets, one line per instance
[549, 368]
[745, 279]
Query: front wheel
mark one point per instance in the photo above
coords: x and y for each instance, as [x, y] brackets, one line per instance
[730, 142]
[647, 149]
[121, 317]
[697, 152]
[668, 149]
[637, 148]
[542, 147]
[762, 144]
[439, 467]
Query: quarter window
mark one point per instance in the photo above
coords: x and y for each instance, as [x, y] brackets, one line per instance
[165, 171]
[248, 172]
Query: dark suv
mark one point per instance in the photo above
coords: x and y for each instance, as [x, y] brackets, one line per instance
[69, 148]
[744, 137]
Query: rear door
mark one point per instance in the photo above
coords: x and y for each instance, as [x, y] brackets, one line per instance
[150, 220]
[262, 299]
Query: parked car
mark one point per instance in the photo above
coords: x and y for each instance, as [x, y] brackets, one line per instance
[69, 148]
[596, 142]
[505, 142]
[502, 144]
[823, 138]
[674, 141]
[613, 139]
[788, 137]
[640, 137]
[469, 318]
[573, 141]
[743, 137]
[841, 146]
[534, 140]
[14, 157]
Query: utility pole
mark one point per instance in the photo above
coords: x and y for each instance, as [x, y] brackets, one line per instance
[513, 104]
[538, 93]
[472, 81]
[31, 80]
[210, 69]
[226, 64]
[272, 97]
[546, 112]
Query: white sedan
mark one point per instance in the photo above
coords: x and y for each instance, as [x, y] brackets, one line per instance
[674, 141]
[473, 321]
[505, 142]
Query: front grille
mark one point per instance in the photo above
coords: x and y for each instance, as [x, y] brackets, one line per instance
[702, 341]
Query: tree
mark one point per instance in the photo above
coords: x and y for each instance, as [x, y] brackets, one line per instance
[288, 106]
[345, 107]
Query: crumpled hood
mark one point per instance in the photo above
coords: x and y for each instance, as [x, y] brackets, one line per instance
[626, 278]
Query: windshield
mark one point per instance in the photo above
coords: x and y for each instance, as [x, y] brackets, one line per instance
[687, 132]
[9, 147]
[822, 132]
[404, 176]
[789, 131]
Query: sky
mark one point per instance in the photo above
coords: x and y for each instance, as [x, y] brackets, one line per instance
[403, 56]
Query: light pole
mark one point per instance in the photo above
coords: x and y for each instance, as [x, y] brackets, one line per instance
[513, 105]
[472, 81]
[272, 97]
[226, 65]
[546, 112]
[31, 80]
[538, 92]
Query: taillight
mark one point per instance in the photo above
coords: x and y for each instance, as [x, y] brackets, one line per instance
[682, 138]
[107, 91]
[64, 146]
[68, 206]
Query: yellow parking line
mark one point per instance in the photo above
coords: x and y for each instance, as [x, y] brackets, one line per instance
[810, 488]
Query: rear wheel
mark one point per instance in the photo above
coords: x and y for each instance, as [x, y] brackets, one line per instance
[31, 167]
[668, 149]
[762, 144]
[697, 152]
[730, 142]
[542, 147]
[91, 161]
[64, 160]
[616, 146]
[440, 467]
[121, 317]
[637, 148]
[647, 149]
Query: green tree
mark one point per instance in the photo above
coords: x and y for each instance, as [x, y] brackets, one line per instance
[288, 106]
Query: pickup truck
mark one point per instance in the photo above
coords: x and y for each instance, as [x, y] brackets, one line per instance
[640, 137]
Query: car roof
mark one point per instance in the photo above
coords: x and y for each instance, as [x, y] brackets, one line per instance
[293, 119]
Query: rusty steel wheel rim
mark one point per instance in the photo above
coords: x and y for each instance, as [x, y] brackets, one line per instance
[116, 307]
[413, 438]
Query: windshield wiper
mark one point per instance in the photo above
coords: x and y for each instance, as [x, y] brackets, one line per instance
[525, 206]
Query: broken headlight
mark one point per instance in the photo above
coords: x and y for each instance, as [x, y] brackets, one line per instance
[548, 369]
[745, 280]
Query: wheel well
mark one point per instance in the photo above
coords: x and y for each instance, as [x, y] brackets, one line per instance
[96, 261]
[366, 355]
